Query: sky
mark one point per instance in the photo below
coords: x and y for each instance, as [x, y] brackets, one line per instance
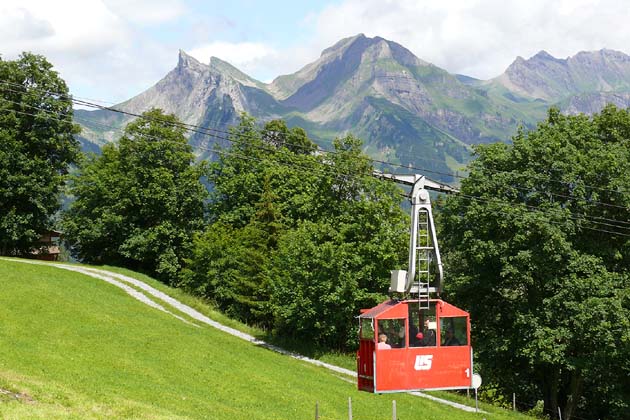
[111, 50]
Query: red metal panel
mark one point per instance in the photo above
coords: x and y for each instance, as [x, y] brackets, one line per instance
[365, 365]
[413, 368]
[387, 309]
[423, 368]
[446, 309]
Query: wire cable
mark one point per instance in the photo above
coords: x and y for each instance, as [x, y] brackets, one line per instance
[208, 130]
[328, 171]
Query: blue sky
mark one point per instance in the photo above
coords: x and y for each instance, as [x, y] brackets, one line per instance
[111, 50]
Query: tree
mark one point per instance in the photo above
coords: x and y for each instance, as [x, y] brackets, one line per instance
[140, 202]
[537, 249]
[229, 267]
[258, 157]
[36, 148]
[338, 261]
[299, 241]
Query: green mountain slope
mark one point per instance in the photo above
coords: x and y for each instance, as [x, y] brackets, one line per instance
[426, 114]
[74, 346]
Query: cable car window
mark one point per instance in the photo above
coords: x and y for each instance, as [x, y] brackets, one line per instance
[391, 333]
[422, 325]
[367, 328]
[453, 331]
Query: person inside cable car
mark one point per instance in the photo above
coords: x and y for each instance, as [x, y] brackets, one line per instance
[399, 337]
[415, 335]
[428, 335]
[382, 342]
[450, 339]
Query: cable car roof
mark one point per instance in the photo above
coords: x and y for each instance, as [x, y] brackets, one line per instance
[377, 310]
[446, 309]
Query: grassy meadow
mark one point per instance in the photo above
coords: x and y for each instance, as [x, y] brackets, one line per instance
[72, 346]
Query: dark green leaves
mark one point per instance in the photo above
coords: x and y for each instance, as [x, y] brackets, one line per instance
[140, 202]
[538, 250]
[300, 241]
[36, 149]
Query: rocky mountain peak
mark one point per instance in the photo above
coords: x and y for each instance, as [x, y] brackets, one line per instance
[540, 60]
[544, 55]
[222, 66]
[615, 55]
[338, 63]
[603, 57]
[191, 88]
[342, 45]
[188, 61]
[553, 79]
[378, 47]
[226, 69]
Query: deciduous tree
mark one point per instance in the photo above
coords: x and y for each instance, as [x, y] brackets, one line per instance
[140, 202]
[538, 250]
[300, 241]
[36, 148]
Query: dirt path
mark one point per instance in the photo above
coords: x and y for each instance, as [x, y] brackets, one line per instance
[124, 282]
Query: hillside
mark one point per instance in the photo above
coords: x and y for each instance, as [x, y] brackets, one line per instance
[77, 347]
[406, 110]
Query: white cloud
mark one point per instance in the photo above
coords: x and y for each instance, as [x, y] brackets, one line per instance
[19, 24]
[480, 37]
[256, 59]
[238, 54]
[147, 11]
[96, 50]
[114, 49]
[48, 27]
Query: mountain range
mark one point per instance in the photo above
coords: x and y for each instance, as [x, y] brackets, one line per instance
[407, 111]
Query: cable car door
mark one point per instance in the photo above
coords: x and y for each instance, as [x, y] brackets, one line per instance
[365, 355]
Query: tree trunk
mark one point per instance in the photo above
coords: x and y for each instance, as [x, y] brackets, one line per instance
[575, 391]
[550, 393]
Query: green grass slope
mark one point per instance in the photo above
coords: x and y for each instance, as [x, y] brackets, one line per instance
[72, 346]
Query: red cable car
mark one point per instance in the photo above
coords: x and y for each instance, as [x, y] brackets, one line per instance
[415, 342]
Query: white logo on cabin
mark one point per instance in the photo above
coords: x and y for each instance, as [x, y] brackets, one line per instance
[423, 362]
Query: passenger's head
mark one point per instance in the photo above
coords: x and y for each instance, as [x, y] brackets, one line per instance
[382, 338]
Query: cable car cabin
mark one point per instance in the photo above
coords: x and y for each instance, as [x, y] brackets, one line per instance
[403, 347]
[419, 343]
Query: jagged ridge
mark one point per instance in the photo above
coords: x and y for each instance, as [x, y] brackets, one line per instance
[404, 108]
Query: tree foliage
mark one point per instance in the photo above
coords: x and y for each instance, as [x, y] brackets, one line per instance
[540, 257]
[299, 241]
[36, 148]
[139, 203]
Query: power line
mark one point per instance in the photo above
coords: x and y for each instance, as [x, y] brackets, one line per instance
[209, 130]
[239, 134]
[78, 101]
[206, 129]
[323, 168]
[201, 130]
[327, 169]
[576, 217]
